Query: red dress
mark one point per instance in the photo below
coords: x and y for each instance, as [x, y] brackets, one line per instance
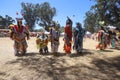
[68, 39]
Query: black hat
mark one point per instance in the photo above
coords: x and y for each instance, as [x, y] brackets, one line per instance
[78, 24]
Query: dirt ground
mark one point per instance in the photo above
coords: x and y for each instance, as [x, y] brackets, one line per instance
[92, 64]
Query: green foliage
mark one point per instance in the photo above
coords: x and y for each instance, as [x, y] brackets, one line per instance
[5, 22]
[30, 13]
[104, 10]
[109, 11]
[40, 13]
[90, 22]
[46, 14]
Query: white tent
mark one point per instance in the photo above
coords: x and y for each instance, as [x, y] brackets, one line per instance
[88, 33]
[62, 34]
[47, 32]
[111, 27]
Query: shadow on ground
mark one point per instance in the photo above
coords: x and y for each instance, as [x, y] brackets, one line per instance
[83, 53]
[68, 67]
[109, 67]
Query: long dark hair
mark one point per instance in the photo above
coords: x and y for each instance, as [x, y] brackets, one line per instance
[18, 23]
[102, 28]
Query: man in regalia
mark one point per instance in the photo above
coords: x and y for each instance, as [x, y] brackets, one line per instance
[55, 35]
[18, 34]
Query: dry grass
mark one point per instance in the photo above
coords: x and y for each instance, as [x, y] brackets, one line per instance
[92, 64]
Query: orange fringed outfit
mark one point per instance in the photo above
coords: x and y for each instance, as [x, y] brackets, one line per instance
[67, 39]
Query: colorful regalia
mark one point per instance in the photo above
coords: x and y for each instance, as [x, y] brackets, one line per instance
[118, 34]
[102, 38]
[78, 35]
[19, 34]
[67, 39]
[42, 42]
[54, 35]
[70, 22]
[113, 39]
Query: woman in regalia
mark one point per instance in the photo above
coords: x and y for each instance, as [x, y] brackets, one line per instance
[42, 42]
[78, 35]
[67, 38]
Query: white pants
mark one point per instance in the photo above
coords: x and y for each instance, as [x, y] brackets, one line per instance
[54, 48]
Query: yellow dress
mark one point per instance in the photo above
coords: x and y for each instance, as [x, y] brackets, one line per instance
[41, 42]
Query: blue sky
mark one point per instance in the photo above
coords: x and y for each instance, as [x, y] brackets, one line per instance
[64, 8]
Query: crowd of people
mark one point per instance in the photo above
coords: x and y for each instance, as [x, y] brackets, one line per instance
[108, 37]
[19, 33]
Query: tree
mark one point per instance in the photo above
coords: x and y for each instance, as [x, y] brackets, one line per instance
[8, 20]
[46, 14]
[108, 10]
[30, 13]
[104, 10]
[5, 22]
[1, 23]
[90, 22]
[40, 13]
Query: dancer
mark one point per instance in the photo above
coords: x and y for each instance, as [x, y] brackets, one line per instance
[78, 35]
[54, 35]
[18, 34]
[102, 39]
[42, 42]
[68, 37]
